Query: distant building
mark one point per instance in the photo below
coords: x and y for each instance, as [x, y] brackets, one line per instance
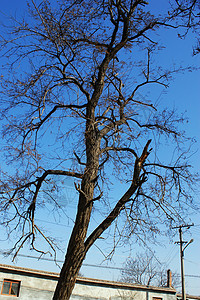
[28, 284]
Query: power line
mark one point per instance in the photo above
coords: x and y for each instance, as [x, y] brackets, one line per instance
[168, 257]
[193, 262]
[69, 226]
[89, 265]
[195, 276]
[170, 260]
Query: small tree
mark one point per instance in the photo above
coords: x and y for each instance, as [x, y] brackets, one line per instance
[146, 270]
[75, 75]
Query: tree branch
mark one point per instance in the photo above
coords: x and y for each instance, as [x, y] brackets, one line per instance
[120, 149]
[124, 199]
[37, 126]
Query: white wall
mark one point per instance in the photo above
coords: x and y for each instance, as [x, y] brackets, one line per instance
[35, 287]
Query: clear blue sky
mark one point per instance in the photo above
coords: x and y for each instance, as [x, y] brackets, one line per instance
[184, 93]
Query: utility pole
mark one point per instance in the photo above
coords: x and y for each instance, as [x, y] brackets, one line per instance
[181, 242]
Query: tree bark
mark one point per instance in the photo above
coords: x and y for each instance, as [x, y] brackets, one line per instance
[76, 248]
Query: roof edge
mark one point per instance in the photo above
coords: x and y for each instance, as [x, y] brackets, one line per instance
[84, 280]
[188, 296]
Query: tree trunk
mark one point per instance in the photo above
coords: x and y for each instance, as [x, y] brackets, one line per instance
[69, 272]
[76, 248]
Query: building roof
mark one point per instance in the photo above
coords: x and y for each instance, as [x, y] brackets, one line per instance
[179, 296]
[82, 280]
[91, 281]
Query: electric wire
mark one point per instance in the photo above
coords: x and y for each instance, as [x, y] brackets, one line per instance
[90, 265]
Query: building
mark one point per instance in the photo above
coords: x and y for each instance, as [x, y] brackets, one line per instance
[27, 284]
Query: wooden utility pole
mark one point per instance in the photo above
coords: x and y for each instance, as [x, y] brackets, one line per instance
[181, 242]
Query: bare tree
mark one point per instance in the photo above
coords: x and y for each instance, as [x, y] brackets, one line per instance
[146, 270]
[75, 75]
